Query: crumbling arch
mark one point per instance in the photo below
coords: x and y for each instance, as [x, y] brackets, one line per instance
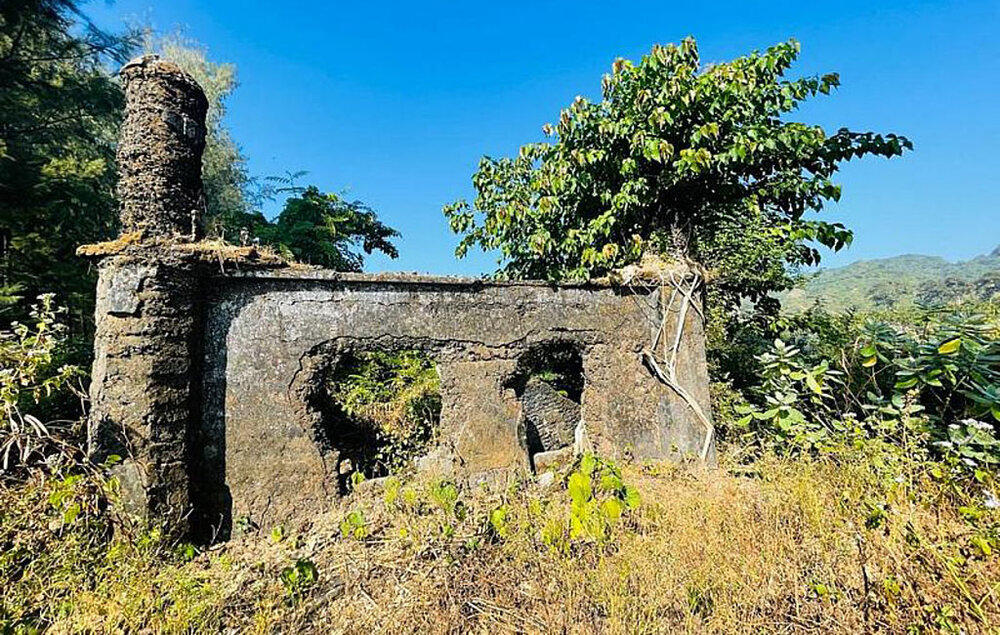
[350, 439]
[549, 381]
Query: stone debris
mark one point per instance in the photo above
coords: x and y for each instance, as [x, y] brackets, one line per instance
[544, 461]
[550, 417]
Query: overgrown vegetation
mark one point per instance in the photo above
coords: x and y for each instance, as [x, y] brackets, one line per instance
[59, 116]
[386, 409]
[861, 538]
[857, 488]
[60, 111]
[678, 158]
[925, 378]
[34, 384]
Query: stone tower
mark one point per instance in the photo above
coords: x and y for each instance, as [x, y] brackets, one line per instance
[148, 313]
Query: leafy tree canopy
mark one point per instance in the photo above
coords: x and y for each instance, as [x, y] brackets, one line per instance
[327, 230]
[59, 116]
[677, 158]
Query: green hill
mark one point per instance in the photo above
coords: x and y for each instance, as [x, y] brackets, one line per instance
[898, 281]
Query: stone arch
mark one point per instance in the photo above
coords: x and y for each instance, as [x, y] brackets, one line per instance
[346, 446]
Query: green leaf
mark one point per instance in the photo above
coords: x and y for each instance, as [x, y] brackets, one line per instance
[579, 488]
[632, 498]
[612, 509]
[813, 384]
[950, 346]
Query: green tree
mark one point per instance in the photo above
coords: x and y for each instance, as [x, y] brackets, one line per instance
[324, 229]
[678, 158]
[59, 116]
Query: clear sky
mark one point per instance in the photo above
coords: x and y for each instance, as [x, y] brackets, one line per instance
[395, 102]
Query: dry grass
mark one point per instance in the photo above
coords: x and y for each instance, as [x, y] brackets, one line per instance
[211, 251]
[800, 546]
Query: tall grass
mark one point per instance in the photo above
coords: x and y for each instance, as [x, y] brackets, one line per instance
[859, 540]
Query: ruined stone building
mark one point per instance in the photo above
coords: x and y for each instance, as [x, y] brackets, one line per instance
[211, 359]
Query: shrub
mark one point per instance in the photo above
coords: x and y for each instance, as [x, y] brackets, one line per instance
[932, 374]
[30, 374]
[393, 400]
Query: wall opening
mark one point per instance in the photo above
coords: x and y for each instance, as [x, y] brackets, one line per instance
[549, 382]
[381, 410]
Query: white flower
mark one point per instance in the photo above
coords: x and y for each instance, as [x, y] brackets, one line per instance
[979, 425]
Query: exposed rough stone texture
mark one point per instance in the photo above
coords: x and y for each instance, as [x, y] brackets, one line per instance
[141, 389]
[159, 152]
[550, 418]
[267, 450]
[542, 461]
[209, 371]
[148, 315]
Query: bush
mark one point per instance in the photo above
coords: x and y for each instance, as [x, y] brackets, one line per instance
[392, 401]
[928, 374]
[31, 375]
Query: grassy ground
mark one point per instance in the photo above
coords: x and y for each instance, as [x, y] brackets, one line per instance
[860, 541]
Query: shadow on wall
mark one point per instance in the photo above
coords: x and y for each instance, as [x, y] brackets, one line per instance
[549, 382]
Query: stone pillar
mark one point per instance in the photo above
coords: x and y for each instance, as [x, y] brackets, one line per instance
[148, 308]
[159, 152]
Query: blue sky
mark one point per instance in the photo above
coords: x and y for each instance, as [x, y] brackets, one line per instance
[395, 102]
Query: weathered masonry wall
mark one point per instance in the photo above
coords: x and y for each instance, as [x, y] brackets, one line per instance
[270, 337]
[211, 360]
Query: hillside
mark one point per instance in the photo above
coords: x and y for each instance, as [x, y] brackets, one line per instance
[898, 281]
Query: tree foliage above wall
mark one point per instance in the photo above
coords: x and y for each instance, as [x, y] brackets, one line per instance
[59, 116]
[679, 158]
[327, 230]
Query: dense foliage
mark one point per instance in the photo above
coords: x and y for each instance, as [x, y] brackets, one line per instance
[325, 229]
[387, 406]
[679, 158]
[923, 378]
[59, 116]
[31, 373]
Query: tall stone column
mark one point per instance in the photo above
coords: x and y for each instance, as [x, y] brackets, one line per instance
[160, 148]
[147, 318]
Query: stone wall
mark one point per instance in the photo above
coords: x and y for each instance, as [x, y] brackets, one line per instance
[266, 452]
[211, 361]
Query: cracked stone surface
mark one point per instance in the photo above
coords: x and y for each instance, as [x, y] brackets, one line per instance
[550, 418]
[269, 337]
